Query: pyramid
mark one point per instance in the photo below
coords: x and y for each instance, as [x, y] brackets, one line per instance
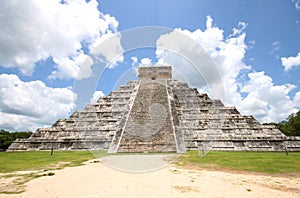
[158, 114]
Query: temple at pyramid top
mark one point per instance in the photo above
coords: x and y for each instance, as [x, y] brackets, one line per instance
[155, 73]
[158, 114]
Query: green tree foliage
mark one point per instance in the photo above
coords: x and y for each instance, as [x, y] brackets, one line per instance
[6, 138]
[291, 126]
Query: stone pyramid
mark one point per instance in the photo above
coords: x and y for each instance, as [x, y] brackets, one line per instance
[158, 114]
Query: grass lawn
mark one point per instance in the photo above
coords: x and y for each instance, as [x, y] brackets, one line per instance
[36, 160]
[42, 163]
[38, 163]
[264, 162]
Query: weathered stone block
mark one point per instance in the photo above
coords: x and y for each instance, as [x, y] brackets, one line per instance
[158, 114]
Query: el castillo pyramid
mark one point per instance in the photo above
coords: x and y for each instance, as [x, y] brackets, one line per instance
[158, 114]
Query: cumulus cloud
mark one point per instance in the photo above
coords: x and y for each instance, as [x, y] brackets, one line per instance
[290, 62]
[297, 99]
[146, 61]
[96, 96]
[271, 102]
[134, 60]
[142, 62]
[78, 66]
[220, 69]
[29, 105]
[216, 63]
[36, 30]
[108, 49]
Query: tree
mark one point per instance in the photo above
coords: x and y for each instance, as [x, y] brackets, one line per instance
[291, 126]
[6, 138]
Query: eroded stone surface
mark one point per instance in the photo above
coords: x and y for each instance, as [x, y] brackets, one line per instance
[158, 114]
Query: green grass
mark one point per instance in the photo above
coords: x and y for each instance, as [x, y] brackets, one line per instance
[37, 160]
[263, 162]
[43, 162]
[39, 163]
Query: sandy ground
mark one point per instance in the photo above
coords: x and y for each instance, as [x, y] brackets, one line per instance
[100, 180]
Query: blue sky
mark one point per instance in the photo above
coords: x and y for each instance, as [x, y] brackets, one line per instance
[48, 48]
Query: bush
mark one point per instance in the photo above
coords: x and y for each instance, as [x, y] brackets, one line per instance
[6, 138]
[291, 126]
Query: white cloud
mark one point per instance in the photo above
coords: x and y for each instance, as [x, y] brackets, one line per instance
[67, 68]
[143, 62]
[240, 29]
[35, 30]
[225, 74]
[297, 99]
[29, 105]
[269, 102]
[290, 62]
[226, 54]
[96, 96]
[85, 70]
[134, 60]
[209, 39]
[109, 49]
[146, 61]
[252, 105]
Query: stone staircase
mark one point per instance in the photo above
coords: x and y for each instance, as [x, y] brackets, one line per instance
[149, 127]
[158, 114]
[91, 128]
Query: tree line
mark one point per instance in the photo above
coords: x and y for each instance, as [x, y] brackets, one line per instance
[6, 138]
[291, 126]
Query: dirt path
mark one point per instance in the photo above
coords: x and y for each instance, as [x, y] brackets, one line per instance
[99, 180]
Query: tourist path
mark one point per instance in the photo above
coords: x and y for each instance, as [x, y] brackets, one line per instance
[95, 179]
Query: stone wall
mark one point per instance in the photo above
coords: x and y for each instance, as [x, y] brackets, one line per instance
[158, 114]
[207, 124]
[155, 73]
[94, 127]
